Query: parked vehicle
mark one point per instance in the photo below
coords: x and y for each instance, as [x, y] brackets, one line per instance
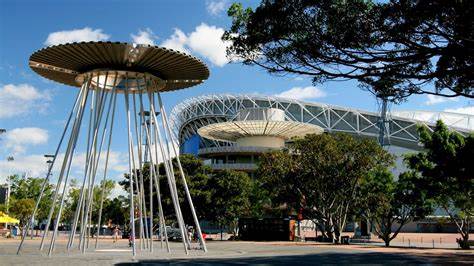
[174, 234]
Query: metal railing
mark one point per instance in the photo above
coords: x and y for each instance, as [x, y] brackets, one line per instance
[234, 149]
[232, 166]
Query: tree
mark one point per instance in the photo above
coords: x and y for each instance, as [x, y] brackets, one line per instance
[74, 195]
[116, 210]
[22, 209]
[230, 197]
[389, 203]
[30, 188]
[221, 196]
[408, 44]
[323, 173]
[277, 172]
[197, 177]
[447, 173]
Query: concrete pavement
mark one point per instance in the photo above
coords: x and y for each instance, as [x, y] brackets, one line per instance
[229, 252]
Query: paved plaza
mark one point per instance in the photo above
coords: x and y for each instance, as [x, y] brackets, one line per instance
[230, 252]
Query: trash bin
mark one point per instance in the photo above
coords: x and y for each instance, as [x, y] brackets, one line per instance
[345, 240]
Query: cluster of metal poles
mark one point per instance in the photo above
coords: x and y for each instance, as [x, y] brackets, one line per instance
[148, 143]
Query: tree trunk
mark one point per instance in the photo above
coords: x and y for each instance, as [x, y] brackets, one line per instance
[337, 235]
[464, 244]
[222, 237]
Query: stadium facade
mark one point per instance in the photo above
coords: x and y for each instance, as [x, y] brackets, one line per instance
[196, 115]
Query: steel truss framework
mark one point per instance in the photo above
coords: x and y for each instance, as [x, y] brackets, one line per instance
[188, 116]
[95, 105]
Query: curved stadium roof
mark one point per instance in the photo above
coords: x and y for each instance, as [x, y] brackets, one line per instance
[194, 113]
[233, 130]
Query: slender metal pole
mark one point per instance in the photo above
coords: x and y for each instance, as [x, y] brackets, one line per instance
[91, 171]
[97, 157]
[383, 122]
[155, 172]
[58, 217]
[50, 168]
[148, 151]
[169, 177]
[80, 208]
[96, 163]
[188, 194]
[130, 147]
[141, 161]
[143, 225]
[170, 162]
[61, 175]
[163, 229]
[104, 179]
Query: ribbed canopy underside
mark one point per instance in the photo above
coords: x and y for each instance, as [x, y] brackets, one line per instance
[62, 63]
[231, 131]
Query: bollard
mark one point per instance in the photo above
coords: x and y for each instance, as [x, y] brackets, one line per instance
[409, 242]
[440, 240]
[403, 239]
[433, 243]
[421, 240]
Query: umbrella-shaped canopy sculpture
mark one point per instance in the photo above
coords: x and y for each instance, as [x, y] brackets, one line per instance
[107, 73]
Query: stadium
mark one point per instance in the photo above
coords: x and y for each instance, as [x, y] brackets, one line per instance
[193, 118]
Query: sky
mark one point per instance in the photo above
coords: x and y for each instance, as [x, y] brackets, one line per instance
[33, 110]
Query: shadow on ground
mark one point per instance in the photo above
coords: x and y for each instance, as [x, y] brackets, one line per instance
[310, 259]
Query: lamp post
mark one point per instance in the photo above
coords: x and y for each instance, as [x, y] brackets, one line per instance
[9, 159]
[49, 162]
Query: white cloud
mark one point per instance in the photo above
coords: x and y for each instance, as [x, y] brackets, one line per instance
[117, 191]
[144, 37]
[434, 99]
[76, 35]
[177, 41]
[31, 165]
[205, 41]
[19, 99]
[17, 139]
[300, 93]
[215, 7]
[118, 162]
[461, 110]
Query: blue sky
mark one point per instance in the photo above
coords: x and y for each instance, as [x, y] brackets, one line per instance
[33, 109]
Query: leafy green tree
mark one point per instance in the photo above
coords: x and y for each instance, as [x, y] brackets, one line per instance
[22, 209]
[30, 188]
[277, 172]
[74, 195]
[230, 197]
[447, 173]
[405, 43]
[389, 203]
[197, 177]
[116, 211]
[324, 173]
[260, 202]
[221, 196]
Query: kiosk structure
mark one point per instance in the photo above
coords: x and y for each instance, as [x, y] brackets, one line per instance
[115, 78]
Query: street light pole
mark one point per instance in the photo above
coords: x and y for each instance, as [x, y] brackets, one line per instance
[50, 158]
[9, 159]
